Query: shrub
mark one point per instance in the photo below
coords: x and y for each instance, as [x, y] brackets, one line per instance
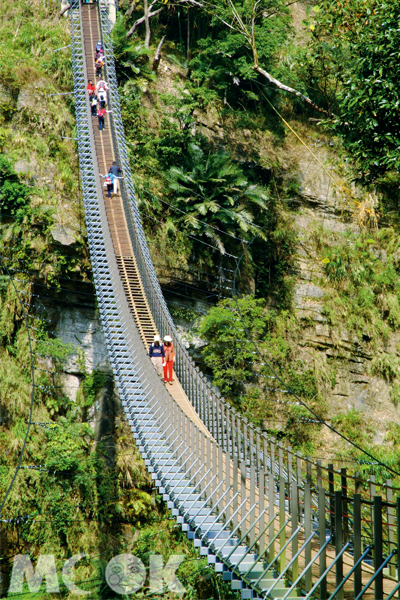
[14, 195]
[354, 425]
[386, 366]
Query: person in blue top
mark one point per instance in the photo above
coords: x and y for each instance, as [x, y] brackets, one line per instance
[115, 170]
[157, 355]
[110, 177]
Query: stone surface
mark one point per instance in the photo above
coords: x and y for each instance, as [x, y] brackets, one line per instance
[308, 291]
[83, 329]
[64, 4]
[63, 235]
[5, 94]
[25, 167]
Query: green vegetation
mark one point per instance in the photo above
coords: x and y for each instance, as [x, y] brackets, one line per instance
[353, 425]
[364, 273]
[240, 347]
[82, 486]
[216, 198]
[216, 180]
[207, 111]
[201, 200]
[353, 66]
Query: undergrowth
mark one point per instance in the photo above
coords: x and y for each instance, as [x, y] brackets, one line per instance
[363, 273]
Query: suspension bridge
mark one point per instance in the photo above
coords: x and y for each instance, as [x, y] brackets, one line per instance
[272, 522]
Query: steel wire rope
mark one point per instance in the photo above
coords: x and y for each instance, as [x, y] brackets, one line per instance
[185, 271]
[81, 506]
[56, 289]
[32, 392]
[290, 391]
[67, 255]
[112, 547]
[120, 547]
[77, 293]
[62, 300]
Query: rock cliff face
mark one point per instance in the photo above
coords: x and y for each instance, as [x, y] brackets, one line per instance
[76, 322]
[345, 357]
[81, 327]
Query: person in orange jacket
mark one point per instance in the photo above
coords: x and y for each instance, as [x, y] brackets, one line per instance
[169, 359]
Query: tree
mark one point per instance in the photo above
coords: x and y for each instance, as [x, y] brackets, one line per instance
[215, 198]
[360, 41]
[250, 20]
[249, 23]
[229, 352]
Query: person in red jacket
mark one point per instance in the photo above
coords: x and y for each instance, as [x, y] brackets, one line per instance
[90, 88]
[169, 359]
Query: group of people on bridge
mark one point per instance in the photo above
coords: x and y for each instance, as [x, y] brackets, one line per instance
[163, 357]
[98, 92]
[162, 354]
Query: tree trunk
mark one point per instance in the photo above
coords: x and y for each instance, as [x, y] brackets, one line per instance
[131, 8]
[147, 23]
[290, 90]
[157, 56]
[142, 20]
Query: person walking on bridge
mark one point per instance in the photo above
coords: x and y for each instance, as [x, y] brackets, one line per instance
[93, 104]
[110, 181]
[169, 352]
[101, 113]
[102, 86]
[102, 89]
[91, 88]
[107, 183]
[99, 65]
[116, 171]
[157, 355]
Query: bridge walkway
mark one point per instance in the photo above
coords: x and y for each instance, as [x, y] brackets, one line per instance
[128, 271]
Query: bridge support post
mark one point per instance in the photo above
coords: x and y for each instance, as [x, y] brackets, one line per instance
[322, 536]
[261, 526]
[252, 502]
[234, 489]
[271, 513]
[307, 532]
[391, 526]
[295, 521]
[378, 548]
[357, 543]
[221, 468]
[282, 519]
[243, 493]
[332, 498]
[398, 541]
[343, 477]
[338, 542]
[289, 455]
